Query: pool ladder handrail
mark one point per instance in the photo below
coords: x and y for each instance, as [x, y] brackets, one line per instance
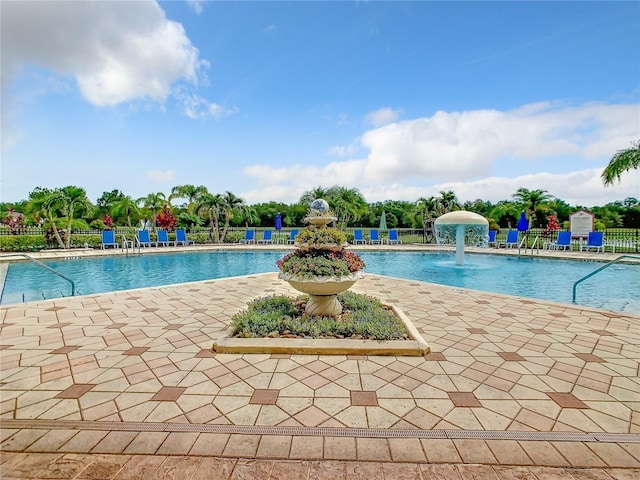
[47, 267]
[607, 265]
[533, 245]
[125, 245]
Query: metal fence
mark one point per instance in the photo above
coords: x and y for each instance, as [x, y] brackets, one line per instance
[616, 239]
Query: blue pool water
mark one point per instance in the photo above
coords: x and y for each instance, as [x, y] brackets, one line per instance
[616, 288]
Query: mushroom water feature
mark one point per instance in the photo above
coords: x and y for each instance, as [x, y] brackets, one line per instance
[460, 228]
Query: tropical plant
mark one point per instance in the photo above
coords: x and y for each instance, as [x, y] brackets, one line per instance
[210, 206]
[316, 192]
[312, 263]
[165, 219]
[72, 200]
[188, 192]
[43, 206]
[152, 204]
[15, 221]
[347, 204]
[124, 208]
[622, 161]
[318, 237]
[531, 200]
[231, 205]
[449, 201]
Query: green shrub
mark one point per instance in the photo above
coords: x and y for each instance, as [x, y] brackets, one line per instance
[362, 315]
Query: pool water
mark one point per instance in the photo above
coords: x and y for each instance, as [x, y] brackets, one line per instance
[616, 288]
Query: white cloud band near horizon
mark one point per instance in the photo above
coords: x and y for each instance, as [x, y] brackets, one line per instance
[463, 151]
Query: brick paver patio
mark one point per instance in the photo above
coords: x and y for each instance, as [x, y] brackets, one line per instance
[123, 385]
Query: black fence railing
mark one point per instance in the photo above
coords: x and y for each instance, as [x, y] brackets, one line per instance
[623, 240]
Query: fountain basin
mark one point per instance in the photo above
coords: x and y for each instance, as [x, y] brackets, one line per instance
[323, 291]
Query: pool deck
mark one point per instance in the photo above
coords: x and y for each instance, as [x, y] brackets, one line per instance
[123, 385]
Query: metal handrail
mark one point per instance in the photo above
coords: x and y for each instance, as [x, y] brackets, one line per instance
[47, 267]
[535, 244]
[612, 262]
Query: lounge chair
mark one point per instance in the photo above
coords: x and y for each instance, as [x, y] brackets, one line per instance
[249, 236]
[181, 237]
[374, 237]
[357, 237]
[144, 240]
[266, 237]
[562, 242]
[163, 239]
[393, 237]
[292, 236]
[109, 239]
[511, 241]
[595, 241]
[492, 239]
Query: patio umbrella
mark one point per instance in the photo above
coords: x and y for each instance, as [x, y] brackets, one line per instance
[383, 221]
[523, 224]
[278, 225]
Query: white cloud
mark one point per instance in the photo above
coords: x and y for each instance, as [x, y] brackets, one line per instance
[162, 177]
[382, 116]
[115, 51]
[466, 145]
[196, 5]
[194, 106]
[460, 151]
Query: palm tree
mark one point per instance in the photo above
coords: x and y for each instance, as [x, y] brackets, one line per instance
[72, 200]
[316, 192]
[44, 204]
[250, 215]
[125, 207]
[531, 199]
[190, 193]
[347, 204]
[622, 161]
[449, 201]
[428, 209]
[153, 203]
[211, 206]
[230, 206]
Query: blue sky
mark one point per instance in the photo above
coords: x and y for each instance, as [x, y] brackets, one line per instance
[269, 99]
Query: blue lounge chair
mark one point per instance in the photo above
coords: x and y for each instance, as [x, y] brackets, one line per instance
[144, 240]
[512, 239]
[393, 237]
[292, 236]
[374, 237]
[266, 237]
[492, 240]
[562, 242]
[109, 239]
[181, 237]
[595, 241]
[357, 237]
[163, 239]
[249, 236]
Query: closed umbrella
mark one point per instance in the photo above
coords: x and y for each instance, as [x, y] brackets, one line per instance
[383, 221]
[278, 226]
[523, 224]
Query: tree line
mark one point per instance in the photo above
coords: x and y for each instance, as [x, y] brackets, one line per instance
[68, 209]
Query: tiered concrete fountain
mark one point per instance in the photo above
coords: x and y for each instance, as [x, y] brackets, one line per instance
[322, 290]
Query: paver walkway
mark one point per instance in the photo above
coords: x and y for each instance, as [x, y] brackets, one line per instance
[123, 385]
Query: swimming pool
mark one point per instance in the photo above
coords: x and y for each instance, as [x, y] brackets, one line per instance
[616, 288]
